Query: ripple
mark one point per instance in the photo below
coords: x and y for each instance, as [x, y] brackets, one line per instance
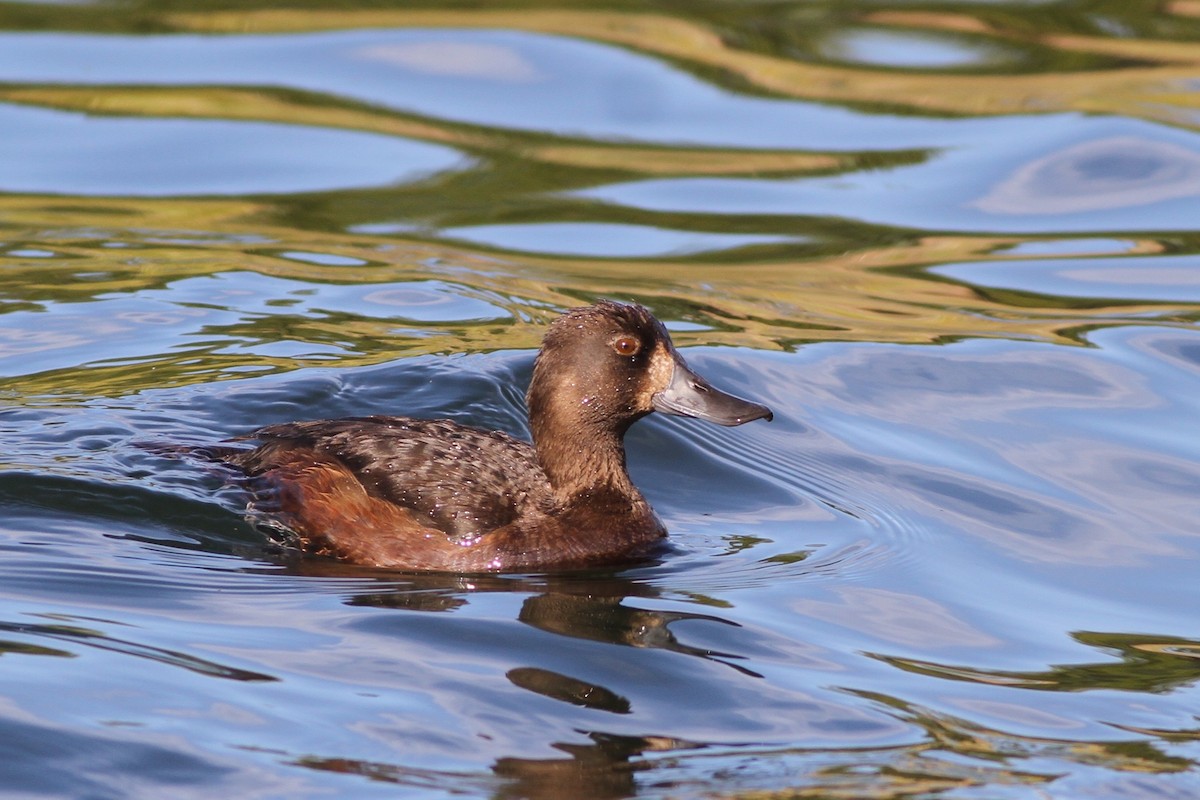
[76, 634]
[914, 49]
[1161, 278]
[1124, 175]
[1114, 172]
[167, 157]
[1069, 247]
[31, 252]
[324, 259]
[549, 84]
[107, 760]
[457, 58]
[607, 240]
[767, 563]
[215, 314]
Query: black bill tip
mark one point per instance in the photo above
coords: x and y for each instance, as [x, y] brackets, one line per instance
[689, 395]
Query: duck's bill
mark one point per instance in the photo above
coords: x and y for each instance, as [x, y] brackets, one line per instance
[689, 395]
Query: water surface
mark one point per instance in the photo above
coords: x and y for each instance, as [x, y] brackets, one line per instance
[955, 250]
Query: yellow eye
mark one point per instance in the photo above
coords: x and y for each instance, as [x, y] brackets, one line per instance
[626, 346]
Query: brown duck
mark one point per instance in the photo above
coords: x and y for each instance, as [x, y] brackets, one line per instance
[436, 495]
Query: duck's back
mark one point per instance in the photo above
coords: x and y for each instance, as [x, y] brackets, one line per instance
[461, 480]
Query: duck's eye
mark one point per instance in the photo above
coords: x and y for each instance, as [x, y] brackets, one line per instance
[626, 345]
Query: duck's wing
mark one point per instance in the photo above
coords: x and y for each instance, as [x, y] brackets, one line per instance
[461, 480]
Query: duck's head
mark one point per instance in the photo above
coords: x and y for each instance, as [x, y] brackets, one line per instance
[603, 367]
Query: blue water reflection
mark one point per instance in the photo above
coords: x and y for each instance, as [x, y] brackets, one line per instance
[1077, 174]
[204, 313]
[911, 49]
[1068, 247]
[1162, 278]
[162, 157]
[506, 79]
[606, 240]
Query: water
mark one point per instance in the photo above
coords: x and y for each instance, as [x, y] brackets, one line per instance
[955, 250]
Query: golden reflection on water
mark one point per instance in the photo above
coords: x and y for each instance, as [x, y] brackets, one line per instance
[1157, 88]
[848, 282]
[874, 293]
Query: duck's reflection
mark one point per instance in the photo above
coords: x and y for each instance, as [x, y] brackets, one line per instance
[601, 770]
[569, 690]
[604, 769]
[598, 607]
[583, 607]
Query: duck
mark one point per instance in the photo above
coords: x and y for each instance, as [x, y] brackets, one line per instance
[435, 495]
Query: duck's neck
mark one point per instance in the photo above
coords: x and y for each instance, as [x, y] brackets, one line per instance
[580, 460]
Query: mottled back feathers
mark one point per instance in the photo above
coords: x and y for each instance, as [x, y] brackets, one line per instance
[463, 480]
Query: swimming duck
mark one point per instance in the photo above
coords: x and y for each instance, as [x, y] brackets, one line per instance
[436, 495]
